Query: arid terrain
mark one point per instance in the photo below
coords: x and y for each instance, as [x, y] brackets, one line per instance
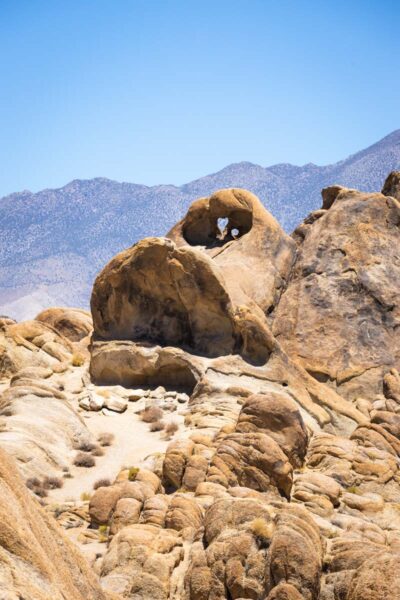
[224, 424]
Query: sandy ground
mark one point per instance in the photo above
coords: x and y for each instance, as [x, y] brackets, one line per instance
[133, 443]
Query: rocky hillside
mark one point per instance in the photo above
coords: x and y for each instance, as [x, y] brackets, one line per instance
[225, 425]
[54, 242]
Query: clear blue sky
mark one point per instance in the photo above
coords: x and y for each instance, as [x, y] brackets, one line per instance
[166, 91]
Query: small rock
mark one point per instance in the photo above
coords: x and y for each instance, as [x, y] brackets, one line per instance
[116, 404]
[91, 402]
[182, 398]
[158, 392]
[108, 413]
[73, 384]
[84, 402]
[136, 395]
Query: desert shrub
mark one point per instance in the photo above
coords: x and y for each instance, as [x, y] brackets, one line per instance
[7, 412]
[37, 487]
[157, 426]
[85, 496]
[151, 414]
[33, 482]
[97, 451]
[354, 490]
[101, 483]
[103, 531]
[52, 483]
[262, 531]
[132, 474]
[77, 359]
[85, 446]
[105, 439]
[171, 428]
[82, 459]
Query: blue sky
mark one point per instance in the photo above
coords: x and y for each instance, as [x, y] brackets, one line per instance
[167, 91]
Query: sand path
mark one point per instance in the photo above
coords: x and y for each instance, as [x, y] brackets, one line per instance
[133, 443]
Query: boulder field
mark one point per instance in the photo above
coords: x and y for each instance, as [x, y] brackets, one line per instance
[251, 382]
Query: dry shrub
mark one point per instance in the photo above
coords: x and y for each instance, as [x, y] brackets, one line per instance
[106, 439]
[97, 451]
[152, 414]
[157, 426]
[103, 533]
[52, 483]
[82, 459]
[77, 359]
[132, 474]
[171, 428]
[85, 496]
[101, 483]
[34, 484]
[85, 446]
[262, 531]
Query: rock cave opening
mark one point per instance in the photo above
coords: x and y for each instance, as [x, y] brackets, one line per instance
[173, 375]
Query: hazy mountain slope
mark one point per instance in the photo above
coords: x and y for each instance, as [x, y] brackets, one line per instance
[53, 242]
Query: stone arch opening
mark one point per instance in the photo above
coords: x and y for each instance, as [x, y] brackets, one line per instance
[211, 228]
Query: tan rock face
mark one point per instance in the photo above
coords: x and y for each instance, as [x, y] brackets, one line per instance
[340, 312]
[161, 294]
[73, 323]
[278, 416]
[186, 291]
[249, 247]
[31, 343]
[36, 560]
[38, 426]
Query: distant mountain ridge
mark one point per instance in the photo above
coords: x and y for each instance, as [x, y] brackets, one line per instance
[54, 241]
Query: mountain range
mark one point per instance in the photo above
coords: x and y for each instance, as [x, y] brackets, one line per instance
[53, 242]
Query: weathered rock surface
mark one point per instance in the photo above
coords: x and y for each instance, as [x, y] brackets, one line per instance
[36, 560]
[73, 323]
[38, 425]
[340, 312]
[279, 357]
[290, 485]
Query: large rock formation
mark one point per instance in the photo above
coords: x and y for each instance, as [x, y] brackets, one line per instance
[203, 289]
[282, 481]
[38, 425]
[285, 483]
[340, 313]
